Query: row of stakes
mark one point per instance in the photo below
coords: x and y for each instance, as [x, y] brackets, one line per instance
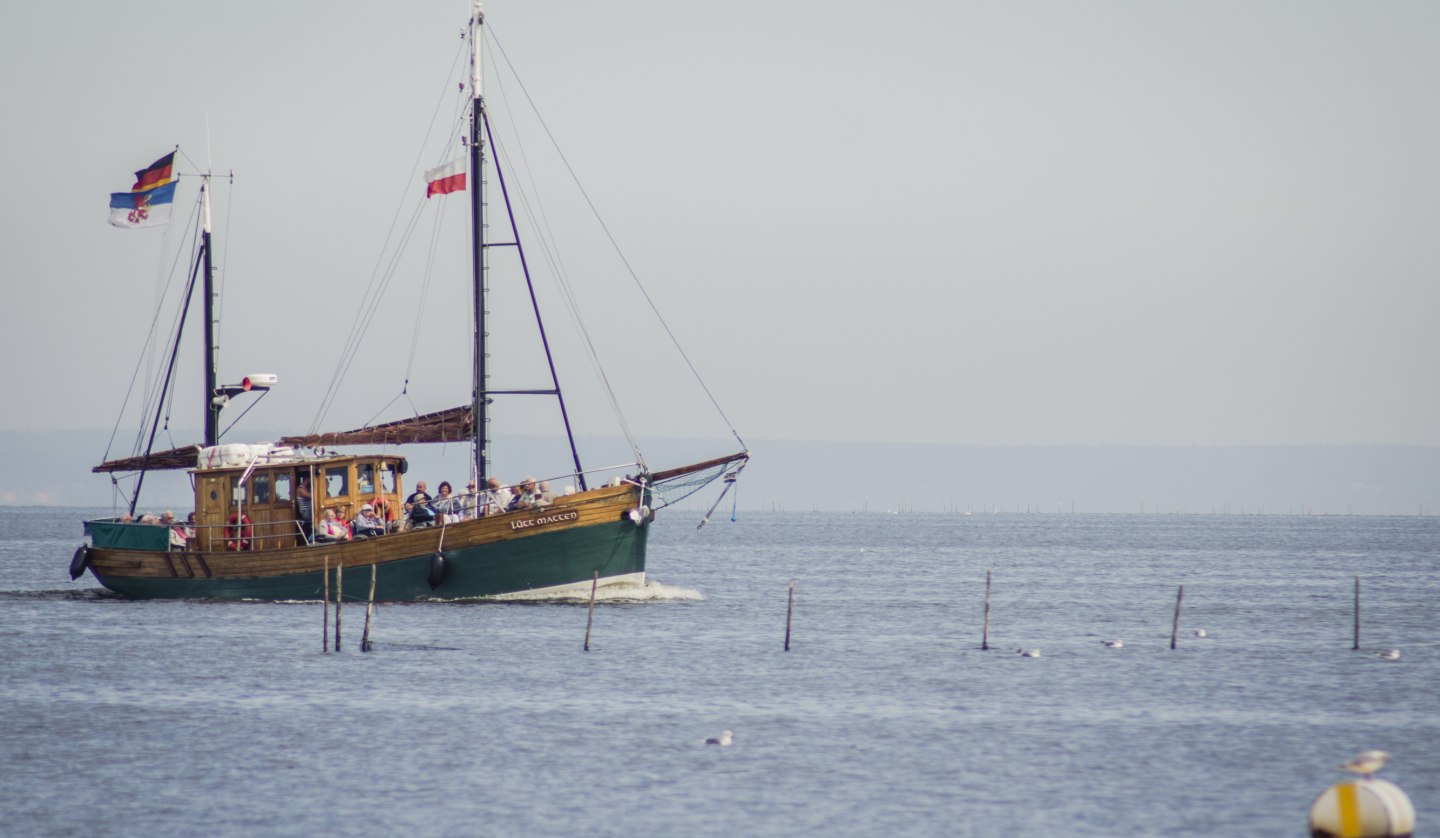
[366, 646]
[1174, 625]
[1367, 808]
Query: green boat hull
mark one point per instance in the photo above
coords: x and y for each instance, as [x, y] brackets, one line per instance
[540, 562]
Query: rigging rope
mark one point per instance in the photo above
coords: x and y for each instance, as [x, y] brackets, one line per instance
[572, 307]
[490, 29]
[550, 251]
[140, 361]
[425, 279]
[384, 270]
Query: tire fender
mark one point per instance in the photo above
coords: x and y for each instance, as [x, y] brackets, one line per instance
[437, 570]
[79, 563]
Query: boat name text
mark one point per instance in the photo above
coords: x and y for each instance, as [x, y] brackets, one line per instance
[557, 518]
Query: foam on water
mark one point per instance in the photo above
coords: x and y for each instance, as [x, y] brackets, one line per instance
[651, 591]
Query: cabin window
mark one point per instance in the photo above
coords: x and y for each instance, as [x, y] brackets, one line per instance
[237, 490]
[260, 485]
[387, 478]
[365, 478]
[282, 487]
[336, 481]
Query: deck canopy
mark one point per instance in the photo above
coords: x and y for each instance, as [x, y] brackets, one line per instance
[451, 425]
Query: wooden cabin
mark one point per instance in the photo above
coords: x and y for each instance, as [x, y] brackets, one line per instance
[257, 507]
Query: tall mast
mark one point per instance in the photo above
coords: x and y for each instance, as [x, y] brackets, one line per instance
[212, 410]
[480, 432]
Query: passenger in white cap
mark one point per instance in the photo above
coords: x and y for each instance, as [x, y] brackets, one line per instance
[367, 523]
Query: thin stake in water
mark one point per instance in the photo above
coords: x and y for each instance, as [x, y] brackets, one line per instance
[339, 596]
[590, 618]
[789, 613]
[1356, 645]
[369, 609]
[325, 598]
[985, 632]
[1175, 627]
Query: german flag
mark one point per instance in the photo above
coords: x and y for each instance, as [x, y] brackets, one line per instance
[156, 174]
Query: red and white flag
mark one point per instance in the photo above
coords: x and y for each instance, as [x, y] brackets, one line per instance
[445, 179]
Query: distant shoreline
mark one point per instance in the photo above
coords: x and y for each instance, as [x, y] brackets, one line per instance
[52, 470]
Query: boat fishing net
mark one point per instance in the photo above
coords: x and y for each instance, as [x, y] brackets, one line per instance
[671, 487]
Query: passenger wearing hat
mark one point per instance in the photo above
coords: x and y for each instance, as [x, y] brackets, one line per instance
[367, 523]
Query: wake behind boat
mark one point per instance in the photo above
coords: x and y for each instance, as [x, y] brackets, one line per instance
[275, 521]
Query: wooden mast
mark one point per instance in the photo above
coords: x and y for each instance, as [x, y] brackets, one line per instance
[480, 432]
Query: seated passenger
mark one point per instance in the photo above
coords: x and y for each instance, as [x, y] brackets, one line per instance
[447, 506]
[417, 507]
[528, 495]
[497, 498]
[367, 523]
[331, 528]
[470, 503]
[178, 536]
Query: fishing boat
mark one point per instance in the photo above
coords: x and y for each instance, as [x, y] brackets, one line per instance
[261, 509]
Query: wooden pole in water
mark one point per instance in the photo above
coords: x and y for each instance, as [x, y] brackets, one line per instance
[325, 597]
[369, 609]
[1356, 645]
[789, 613]
[339, 596]
[1175, 626]
[590, 618]
[985, 632]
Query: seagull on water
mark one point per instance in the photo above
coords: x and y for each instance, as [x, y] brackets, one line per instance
[1389, 654]
[1201, 633]
[1114, 644]
[722, 740]
[1366, 763]
[1029, 653]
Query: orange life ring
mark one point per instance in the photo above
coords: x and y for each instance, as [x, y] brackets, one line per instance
[238, 532]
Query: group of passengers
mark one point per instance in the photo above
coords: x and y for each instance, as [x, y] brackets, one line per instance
[421, 510]
[424, 510]
[445, 507]
[180, 534]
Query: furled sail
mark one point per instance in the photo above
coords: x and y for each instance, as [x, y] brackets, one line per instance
[182, 457]
[451, 425]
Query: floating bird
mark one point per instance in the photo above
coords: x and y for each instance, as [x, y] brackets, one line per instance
[722, 740]
[1029, 653]
[1201, 633]
[1366, 763]
[1389, 654]
[1114, 644]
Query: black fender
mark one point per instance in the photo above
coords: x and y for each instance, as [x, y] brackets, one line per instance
[437, 570]
[79, 563]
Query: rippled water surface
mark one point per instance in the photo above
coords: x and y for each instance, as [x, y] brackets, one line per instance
[143, 718]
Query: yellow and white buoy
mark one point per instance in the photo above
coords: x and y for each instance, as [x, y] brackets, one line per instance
[1365, 808]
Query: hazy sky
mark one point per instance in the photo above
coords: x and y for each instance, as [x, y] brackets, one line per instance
[986, 223]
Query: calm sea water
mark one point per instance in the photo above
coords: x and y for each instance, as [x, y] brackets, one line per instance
[145, 718]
